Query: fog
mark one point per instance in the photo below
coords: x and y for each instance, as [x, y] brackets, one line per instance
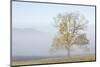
[31, 42]
[33, 29]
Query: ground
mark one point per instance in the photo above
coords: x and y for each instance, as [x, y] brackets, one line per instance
[56, 60]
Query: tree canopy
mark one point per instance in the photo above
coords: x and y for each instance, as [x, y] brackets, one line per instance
[70, 30]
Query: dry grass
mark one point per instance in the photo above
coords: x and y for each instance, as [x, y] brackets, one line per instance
[56, 60]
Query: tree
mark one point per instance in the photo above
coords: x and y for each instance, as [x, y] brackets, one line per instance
[70, 31]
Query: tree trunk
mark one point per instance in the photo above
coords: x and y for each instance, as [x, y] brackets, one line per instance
[68, 52]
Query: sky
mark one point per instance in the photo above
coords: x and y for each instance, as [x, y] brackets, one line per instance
[40, 16]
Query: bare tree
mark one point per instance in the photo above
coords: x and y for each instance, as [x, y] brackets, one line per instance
[70, 31]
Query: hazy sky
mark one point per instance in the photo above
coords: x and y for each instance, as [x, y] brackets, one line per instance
[39, 16]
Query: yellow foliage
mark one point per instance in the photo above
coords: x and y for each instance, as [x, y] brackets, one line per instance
[67, 26]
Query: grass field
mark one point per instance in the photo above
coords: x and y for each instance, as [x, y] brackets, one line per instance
[56, 60]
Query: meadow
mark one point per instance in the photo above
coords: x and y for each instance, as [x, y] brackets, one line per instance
[76, 58]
